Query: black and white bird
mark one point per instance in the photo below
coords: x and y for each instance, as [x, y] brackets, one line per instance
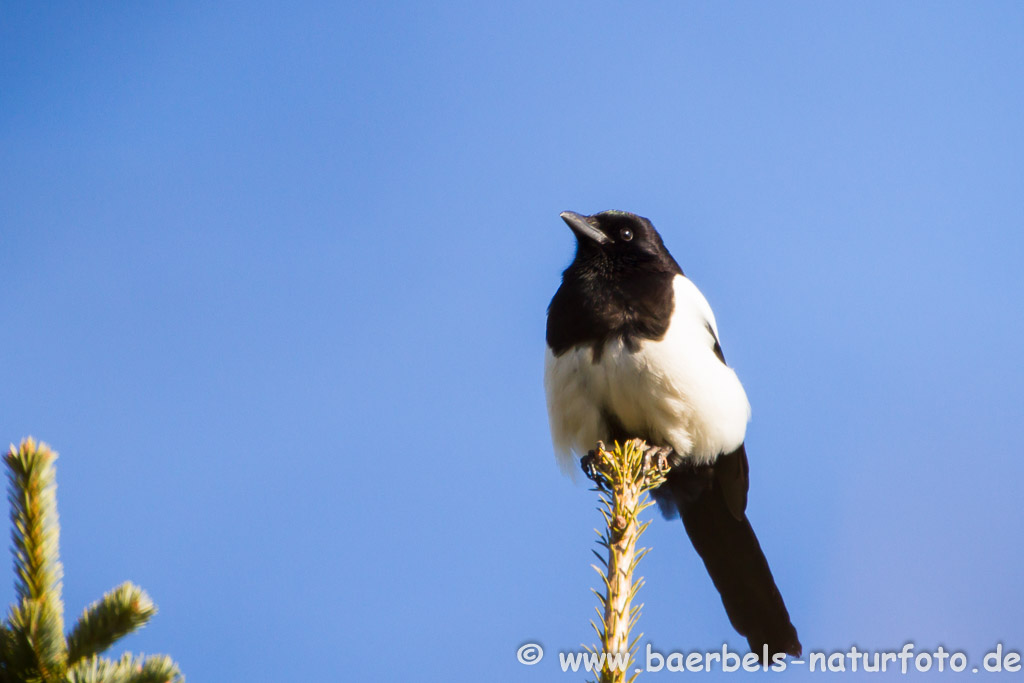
[633, 352]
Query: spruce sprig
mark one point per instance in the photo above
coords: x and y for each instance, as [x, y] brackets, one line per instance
[37, 621]
[121, 611]
[33, 648]
[624, 476]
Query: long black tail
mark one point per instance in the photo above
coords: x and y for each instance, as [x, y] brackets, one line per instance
[712, 507]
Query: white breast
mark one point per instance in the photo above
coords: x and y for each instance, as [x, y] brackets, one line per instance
[675, 389]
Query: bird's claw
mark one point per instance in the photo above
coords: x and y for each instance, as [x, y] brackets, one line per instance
[589, 466]
[658, 457]
[588, 463]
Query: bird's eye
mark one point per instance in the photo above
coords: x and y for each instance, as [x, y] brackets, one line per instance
[626, 234]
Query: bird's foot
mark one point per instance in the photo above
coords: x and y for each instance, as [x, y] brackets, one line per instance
[661, 458]
[588, 463]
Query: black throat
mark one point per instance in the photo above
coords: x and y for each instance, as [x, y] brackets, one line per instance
[601, 300]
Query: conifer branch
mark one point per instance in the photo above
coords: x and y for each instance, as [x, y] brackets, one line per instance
[32, 644]
[128, 669]
[32, 495]
[38, 619]
[156, 669]
[624, 476]
[121, 611]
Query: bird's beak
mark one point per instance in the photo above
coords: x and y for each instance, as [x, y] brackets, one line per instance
[582, 227]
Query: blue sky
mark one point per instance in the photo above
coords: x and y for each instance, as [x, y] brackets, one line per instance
[275, 279]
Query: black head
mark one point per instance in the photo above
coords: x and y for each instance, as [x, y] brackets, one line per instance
[618, 286]
[620, 240]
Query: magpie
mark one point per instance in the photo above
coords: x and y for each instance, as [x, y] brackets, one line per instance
[633, 352]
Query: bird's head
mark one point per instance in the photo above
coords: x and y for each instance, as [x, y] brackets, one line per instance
[620, 238]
